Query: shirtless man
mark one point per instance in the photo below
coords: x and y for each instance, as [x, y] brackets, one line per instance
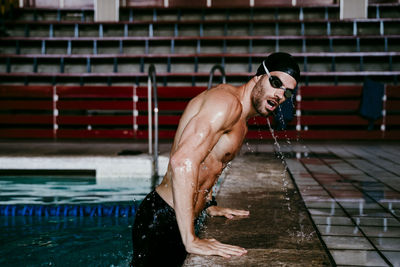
[210, 133]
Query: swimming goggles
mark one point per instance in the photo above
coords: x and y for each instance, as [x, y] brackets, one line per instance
[277, 83]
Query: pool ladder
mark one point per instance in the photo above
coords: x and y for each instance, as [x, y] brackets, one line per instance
[152, 86]
[213, 69]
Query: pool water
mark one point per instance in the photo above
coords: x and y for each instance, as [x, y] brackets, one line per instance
[68, 240]
[65, 241]
[66, 190]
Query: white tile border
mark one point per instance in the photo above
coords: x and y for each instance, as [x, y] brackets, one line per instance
[106, 167]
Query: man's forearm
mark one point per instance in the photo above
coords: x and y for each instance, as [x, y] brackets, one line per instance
[183, 188]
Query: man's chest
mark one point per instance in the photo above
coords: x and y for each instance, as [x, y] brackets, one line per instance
[230, 143]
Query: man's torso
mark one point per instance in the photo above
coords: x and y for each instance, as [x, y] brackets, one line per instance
[212, 166]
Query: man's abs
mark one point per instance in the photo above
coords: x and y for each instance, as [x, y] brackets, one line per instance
[209, 172]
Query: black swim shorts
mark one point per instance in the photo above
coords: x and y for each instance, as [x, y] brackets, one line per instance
[155, 234]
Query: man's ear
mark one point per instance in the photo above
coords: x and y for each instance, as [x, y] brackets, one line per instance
[257, 78]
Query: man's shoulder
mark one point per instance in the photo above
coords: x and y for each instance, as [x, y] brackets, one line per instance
[225, 93]
[222, 99]
[223, 87]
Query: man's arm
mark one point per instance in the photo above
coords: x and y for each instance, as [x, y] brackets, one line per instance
[197, 140]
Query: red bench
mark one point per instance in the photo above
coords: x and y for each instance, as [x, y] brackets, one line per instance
[26, 112]
[332, 112]
[115, 112]
[242, 76]
[126, 118]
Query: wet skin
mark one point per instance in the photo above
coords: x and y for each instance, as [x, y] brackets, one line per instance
[210, 133]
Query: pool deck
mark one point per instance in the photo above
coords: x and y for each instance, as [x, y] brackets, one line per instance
[351, 192]
[278, 231]
[338, 203]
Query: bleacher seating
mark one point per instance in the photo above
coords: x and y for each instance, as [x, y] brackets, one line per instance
[327, 111]
[67, 52]
[71, 112]
[66, 46]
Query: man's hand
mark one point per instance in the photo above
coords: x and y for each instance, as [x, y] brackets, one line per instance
[213, 247]
[228, 213]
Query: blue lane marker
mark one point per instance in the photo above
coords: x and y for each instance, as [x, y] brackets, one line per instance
[69, 210]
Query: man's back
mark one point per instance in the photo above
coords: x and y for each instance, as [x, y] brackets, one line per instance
[218, 100]
[202, 112]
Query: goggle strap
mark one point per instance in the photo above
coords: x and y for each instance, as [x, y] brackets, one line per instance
[269, 75]
[266, 70]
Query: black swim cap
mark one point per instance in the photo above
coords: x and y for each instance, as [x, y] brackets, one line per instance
[280, 62]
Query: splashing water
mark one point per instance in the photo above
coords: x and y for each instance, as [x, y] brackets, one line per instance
[280, 155]
[278, 149]
[298, 233]
[249, 148]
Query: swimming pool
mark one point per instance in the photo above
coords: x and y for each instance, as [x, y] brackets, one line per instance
[45, 190]
[65, 241]
[87, 238]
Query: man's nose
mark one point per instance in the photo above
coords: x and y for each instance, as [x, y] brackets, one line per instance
[279, 94]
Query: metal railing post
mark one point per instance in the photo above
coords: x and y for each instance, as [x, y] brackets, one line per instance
[55, 113]
[153, 85]
[221, 70]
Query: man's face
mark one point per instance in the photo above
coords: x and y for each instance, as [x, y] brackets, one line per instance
[265, 98]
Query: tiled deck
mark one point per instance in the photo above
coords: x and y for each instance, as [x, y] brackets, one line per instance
[352, 194]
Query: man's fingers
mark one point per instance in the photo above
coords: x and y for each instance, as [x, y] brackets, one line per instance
[214, 247]
[228, 215]
[228, 252]
[240, 212]
[230, 249]
[227, 212]
[218, 244]
[234, 251]
[223, 254]
[230, 212]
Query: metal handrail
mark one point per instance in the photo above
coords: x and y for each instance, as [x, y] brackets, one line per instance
[221, 70]
[151, 84]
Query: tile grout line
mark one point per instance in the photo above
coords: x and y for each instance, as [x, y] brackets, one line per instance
[361, 190]
[347, 214]
[331, 259]
[387, 158]
[365, 159]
